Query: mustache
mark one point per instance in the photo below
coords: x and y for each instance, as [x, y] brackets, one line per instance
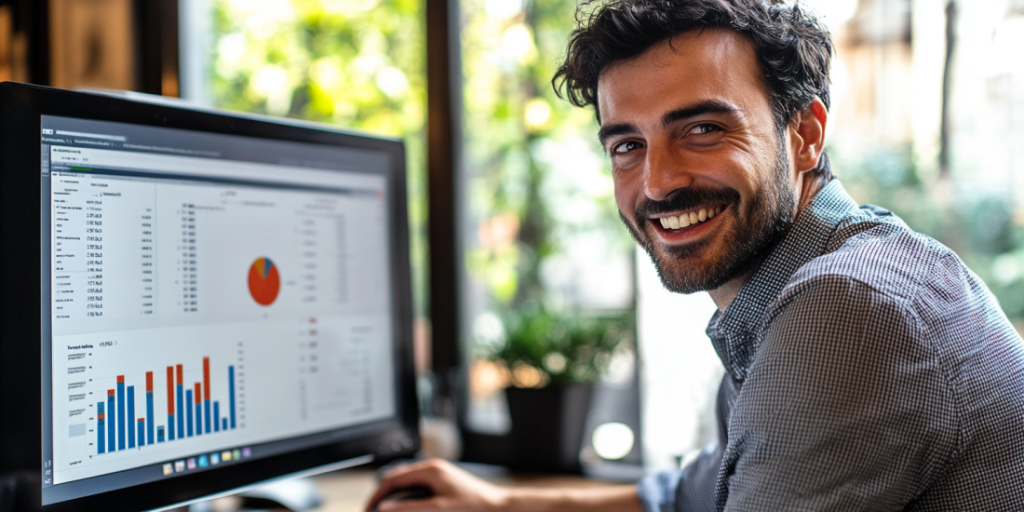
[685, 199]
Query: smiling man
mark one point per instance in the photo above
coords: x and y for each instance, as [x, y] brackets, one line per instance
[866, 367]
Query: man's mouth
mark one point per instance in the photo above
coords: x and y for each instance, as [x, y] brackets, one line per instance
[689, 218]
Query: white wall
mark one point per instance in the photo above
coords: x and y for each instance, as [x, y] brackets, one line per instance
[680, 370]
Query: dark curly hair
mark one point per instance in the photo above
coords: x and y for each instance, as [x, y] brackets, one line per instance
[793, 49]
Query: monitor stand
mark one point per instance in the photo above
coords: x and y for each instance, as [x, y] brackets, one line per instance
[297, 495]
[20, 490]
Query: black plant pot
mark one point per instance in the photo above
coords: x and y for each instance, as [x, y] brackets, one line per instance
[547, 427]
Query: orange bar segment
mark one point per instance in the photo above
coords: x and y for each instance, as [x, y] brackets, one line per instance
[206, 378]
[170, 390]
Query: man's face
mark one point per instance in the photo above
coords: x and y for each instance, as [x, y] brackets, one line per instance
[702, 178]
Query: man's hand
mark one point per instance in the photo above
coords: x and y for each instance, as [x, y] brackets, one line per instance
[457, 491]
[454, 489]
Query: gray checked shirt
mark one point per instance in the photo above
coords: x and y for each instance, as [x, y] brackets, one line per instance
[867, 368]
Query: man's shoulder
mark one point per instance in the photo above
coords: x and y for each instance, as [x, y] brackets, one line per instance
[880, 253]
[917, 279]
[864, 287]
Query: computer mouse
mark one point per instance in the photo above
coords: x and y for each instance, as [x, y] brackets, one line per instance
[407, 494]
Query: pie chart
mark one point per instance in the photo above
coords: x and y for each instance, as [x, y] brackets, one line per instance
[264, 281]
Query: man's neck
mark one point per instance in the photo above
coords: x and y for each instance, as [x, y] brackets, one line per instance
[725, 294]
[809, 187]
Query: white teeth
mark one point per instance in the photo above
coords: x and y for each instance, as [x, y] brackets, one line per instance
[690, 219]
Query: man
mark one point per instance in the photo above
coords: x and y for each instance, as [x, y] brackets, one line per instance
[866, 367]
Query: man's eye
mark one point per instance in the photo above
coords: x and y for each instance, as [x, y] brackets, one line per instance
[626, 147]
[704, 129]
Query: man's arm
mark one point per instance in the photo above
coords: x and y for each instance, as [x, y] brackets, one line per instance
[457, 491]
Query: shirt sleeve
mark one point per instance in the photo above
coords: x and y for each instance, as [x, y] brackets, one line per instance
[688, 490]
[845, 408]
[658, 491]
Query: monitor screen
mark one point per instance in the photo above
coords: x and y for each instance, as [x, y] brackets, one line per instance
[209, 300]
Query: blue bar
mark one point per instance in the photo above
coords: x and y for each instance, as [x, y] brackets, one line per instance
[225, 420]
[231, 393]
[142, 432]
[159, 434]
[199, 419]
[149, 418]
[131, 416]
[216, 416]
[170, 427]
[180, 411]
[188, 411]
[101, 439]
[206, 405]
[112, 431]
[120, 416]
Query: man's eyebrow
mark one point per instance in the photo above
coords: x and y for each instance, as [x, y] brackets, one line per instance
[700, 109]
[607, 132]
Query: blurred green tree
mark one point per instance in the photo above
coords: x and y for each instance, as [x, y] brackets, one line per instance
[537, 176]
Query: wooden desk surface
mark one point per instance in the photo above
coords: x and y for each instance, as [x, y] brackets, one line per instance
[348, 491]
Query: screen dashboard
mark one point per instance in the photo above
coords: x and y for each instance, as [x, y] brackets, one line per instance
[211, 299]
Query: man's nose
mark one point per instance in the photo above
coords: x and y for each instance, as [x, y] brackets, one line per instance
[665, 173]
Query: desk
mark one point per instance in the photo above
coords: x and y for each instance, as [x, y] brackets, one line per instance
[345, 491]
[348, 491]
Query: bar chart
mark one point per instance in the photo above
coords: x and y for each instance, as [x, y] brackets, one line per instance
[191, 411]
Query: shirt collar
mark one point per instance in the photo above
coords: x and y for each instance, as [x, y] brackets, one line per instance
[735, 333]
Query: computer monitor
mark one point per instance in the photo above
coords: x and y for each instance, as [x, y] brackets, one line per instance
[195, 301]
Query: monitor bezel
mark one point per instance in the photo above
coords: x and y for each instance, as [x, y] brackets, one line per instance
[22, 312]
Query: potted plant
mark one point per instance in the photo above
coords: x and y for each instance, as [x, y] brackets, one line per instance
[553, 361]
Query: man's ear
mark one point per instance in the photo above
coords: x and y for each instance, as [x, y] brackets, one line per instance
[808, 130]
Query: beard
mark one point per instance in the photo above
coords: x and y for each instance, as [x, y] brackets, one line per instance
[759, 224]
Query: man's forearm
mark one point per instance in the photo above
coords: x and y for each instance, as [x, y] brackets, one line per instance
[612, 499]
